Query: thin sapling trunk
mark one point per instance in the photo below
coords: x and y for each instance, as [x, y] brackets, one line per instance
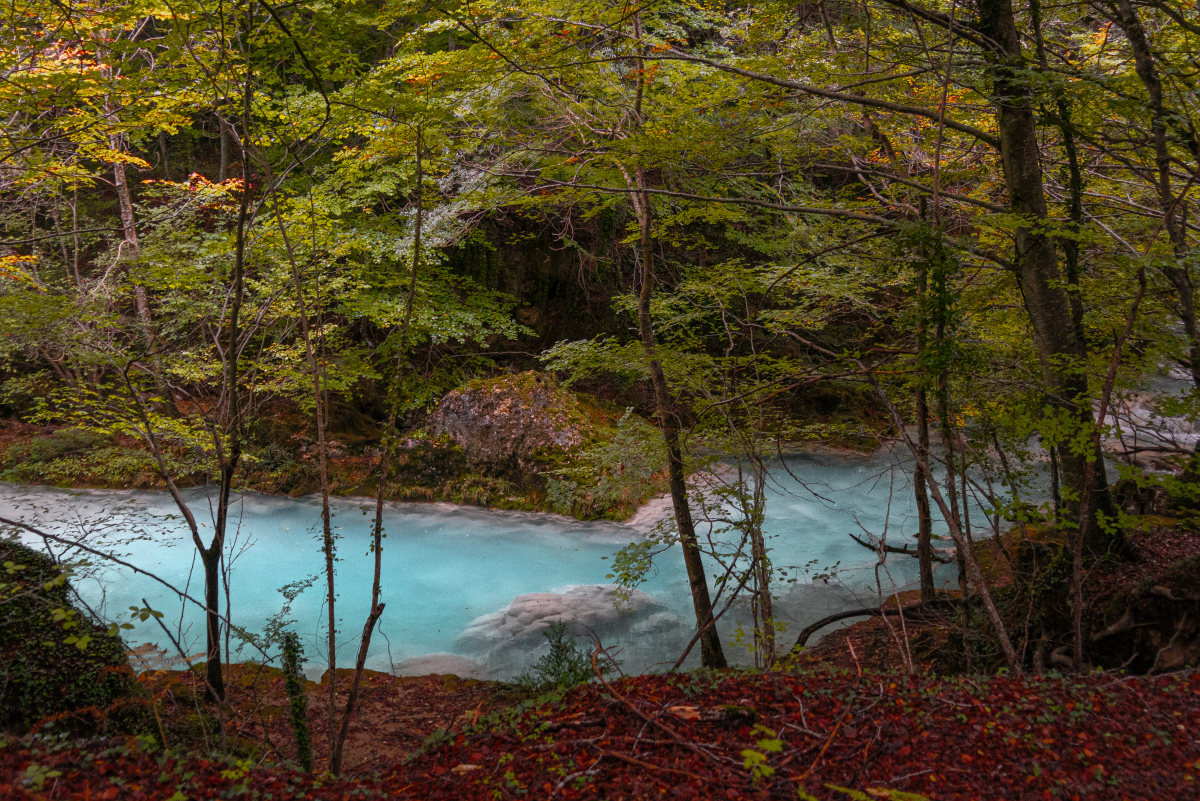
[388, 443]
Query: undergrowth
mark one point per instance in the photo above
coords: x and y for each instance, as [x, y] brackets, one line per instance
[565, 666]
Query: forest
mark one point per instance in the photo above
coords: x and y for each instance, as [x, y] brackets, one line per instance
[548, 257]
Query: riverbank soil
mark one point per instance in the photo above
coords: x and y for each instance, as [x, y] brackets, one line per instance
[706, 736]
[394, 714]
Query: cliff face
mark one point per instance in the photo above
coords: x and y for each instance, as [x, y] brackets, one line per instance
[518, 425]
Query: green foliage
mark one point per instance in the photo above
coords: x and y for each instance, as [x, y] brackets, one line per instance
[599, 356]
[631, 564]
[613, 476]
[275, 457]
[564, 667]
[780, 272]
[293, 659]
[91, 459]
[36, 776]
[45, 456]
[756, 758]
[62, 442]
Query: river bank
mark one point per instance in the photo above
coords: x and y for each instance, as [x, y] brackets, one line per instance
[69, 458]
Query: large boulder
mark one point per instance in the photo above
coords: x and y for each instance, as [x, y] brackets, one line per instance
[518, 424]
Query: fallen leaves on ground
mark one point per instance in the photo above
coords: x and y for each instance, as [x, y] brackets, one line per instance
[393, 717]
[1100, 736]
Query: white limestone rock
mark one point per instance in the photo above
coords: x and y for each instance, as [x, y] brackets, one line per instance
[503, 641]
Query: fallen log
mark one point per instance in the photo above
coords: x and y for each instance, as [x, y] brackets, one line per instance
[903, 550]
[869, 611]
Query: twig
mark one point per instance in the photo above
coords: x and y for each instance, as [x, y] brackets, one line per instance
[662, 726]
[850, 643]
[652, 766]
[821, 755]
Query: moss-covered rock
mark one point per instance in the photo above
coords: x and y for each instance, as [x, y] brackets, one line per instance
[519, 425]
[429, 461]
[57, 667]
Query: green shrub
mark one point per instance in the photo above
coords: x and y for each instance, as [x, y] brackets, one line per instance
[275, 457]
[564, 667]
[64, 442]
[293, 658]
[100, 464]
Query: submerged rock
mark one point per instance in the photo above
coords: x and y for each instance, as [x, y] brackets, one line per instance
[518, 424]
[582, 607]
[503, 641]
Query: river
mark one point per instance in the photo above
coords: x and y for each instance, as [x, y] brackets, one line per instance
[470, 590]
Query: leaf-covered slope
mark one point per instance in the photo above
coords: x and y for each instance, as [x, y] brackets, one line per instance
[705, 736]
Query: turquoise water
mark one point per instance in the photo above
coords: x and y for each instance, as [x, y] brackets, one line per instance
[470, 590]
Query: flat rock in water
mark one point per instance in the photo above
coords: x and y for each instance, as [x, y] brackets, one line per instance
[528, 616]
[504, 640]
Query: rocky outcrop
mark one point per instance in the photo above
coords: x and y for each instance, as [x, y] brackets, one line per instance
[518, 425]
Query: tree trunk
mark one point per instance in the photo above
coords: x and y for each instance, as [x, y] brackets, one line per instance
[1060, 349]
[343, 732]
[335, 762]
[1069, 243]
[223, 168]
[1174, 216]
[762, 567]
[320, 395]
[947, 432]
[211, 558]
[711, 653]
[1055, 495]
[162, 152]
[230, 416]
[75, 239]
[960, 540]
[131, 248]
[924, 517]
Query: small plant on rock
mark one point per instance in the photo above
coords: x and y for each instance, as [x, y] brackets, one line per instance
[566, 666]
